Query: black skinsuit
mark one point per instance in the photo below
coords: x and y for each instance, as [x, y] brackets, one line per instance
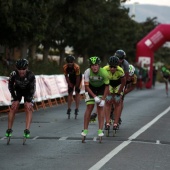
[22, 86]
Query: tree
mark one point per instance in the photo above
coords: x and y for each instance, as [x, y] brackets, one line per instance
[22, 23]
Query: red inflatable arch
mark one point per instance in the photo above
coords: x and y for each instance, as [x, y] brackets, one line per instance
[149, 44]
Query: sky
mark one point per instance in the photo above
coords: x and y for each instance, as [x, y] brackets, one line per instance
[153, 2]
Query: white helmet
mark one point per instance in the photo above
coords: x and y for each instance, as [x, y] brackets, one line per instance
[131, 70]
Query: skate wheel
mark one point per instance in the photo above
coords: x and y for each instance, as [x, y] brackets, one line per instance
[114, 132]
[100, 139]
[107, 133]
[24, 140]
[83, 139]
[8, 140]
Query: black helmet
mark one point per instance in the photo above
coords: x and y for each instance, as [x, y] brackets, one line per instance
[113, 61]
[94, 60]
[120, 54]
[21, 64]
[70, 59]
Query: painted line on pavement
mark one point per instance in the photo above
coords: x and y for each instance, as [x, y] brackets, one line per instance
[63, 138]
[157, 141]
[3, 138]
[115, 151]
[95, 139]
[35, 138]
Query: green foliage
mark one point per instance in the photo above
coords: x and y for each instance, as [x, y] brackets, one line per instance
[162, 55]
[22, 21]
[97, 27]
[38, 67]
[48, 68]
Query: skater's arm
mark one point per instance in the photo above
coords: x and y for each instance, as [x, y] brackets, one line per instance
[87, 89]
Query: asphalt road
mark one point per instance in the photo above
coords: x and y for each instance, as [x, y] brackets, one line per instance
[142, 142]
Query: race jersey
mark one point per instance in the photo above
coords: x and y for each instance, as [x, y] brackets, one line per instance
[125, 66]
[71, 71]
[132, 80]
[96, 80]
[115, 78]
[166, 73]
[22, 85]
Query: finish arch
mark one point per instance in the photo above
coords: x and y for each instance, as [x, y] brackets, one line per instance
[149, 44]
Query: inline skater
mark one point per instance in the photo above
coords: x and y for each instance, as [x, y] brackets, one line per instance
[73, 78]
[21, 84]
[124, 64]
[166, 76]
[131, 82]
[117, 84]
[96, 86]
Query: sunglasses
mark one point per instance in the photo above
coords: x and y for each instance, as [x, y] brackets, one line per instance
[113, 66]
[21, 68]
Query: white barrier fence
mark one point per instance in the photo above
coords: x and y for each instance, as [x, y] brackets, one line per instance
[47, 87]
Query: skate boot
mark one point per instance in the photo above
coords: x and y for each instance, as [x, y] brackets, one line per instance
[93, 117]
[100, 134]
[115, 127]
[8, 135]
[107, 128]
[68, 112]
[76, 113]
[26, 133]
[8, 132]
[84, 134]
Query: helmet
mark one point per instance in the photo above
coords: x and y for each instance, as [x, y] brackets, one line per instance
[21, 63]
[163, 68]
[94, 60]
[131, 70]
[113, 61]
[120, 54]
[70, 59]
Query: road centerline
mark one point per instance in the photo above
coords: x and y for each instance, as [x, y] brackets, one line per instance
[115, 151]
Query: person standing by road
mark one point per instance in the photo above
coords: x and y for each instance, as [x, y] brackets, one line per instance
[73, 78]
[96, 83]
[22, 83]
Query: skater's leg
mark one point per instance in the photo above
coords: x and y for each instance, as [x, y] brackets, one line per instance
[28, 110]
[87, 115]
[11, 117]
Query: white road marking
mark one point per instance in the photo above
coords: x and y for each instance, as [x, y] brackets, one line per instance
[3, 138]
[115, 151]
[157, 141]
[63, 138]
[35, 138]
[95, 139]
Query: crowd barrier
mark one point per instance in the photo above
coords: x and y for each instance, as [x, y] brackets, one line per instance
[50, 89]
